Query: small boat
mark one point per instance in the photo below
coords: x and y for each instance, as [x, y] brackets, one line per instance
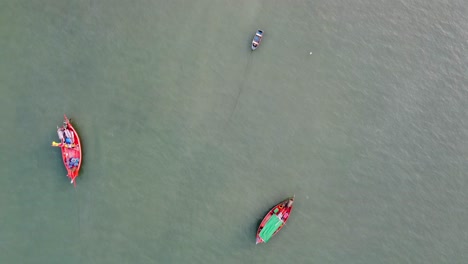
[274, 220]
[257, 39]
[71, 148]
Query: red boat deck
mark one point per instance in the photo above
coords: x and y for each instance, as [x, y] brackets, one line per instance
[282, 211]
[71, 152]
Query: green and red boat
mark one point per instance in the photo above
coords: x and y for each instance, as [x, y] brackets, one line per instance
[71, 148]
[274, 220]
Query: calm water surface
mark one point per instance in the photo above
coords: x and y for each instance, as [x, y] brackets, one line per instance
[189, 137]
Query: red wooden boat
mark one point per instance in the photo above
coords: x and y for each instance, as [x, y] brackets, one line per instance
[274, 220]
[71, 148]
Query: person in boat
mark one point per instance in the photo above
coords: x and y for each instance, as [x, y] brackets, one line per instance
[55, 144]
[60, 133]
[255, 44]
[63, 133]
[73, 162]
[64, 144]
[68, 135]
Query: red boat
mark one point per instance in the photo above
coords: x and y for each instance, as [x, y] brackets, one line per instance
[274, 220]
[71, 148]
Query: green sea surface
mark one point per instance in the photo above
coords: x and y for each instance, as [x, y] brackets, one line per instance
[359, 108]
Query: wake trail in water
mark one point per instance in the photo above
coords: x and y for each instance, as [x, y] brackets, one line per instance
[241, 86]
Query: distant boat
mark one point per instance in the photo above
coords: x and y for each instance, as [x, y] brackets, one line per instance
[274, 220]
[257, 39]
[71, 148]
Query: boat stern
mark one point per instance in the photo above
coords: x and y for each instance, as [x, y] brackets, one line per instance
[258, 240]
[254, 45]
